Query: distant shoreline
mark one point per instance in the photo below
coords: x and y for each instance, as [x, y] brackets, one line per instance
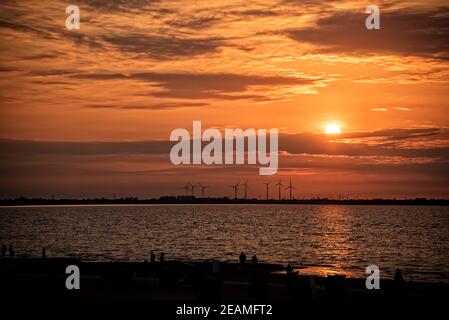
[193, 200]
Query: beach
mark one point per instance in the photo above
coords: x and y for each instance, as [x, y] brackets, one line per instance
[31, 281]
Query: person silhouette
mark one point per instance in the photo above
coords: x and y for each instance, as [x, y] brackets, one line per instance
[254, 259]
[398, 284]
[242, 259]
[11, 251]
[44, 252]
[289, 269]
[152, 257]
[161, 257]
[4, 249]
[398, 278]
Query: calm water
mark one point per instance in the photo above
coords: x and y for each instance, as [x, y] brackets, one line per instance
[322, 239]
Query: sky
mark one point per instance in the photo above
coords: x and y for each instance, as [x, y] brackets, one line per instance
[89, 112]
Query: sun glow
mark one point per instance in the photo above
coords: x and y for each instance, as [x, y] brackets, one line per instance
[332, 129]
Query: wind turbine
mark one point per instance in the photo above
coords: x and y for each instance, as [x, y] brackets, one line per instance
[192, 187]
[246, 187]
[267, 184]
[203, 188]
[187, 188]
[236, 191]
[291, 188]
[279, 184]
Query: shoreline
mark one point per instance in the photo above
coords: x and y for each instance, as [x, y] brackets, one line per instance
[273, 267]
[23, 202]
[36, 266]
[276, 268]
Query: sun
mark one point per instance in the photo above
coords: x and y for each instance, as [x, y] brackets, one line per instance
[332, 128]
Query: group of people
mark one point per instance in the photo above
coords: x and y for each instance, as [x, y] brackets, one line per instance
[242, 259]
[10, 250]
[153, 257]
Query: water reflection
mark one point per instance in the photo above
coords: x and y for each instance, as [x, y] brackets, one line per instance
[322, 239]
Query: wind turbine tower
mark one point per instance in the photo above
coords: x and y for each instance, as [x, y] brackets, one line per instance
[187, 188]
[236, 191]
[290, 187]
[202, 189]
[192, 187]
[279, 184]
[246, 187]
[267, 184]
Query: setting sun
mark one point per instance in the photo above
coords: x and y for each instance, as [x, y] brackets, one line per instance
[332, 129]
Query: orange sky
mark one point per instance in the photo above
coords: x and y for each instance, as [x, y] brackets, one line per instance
[88, 112]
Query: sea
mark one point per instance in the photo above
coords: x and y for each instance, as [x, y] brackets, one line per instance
[315, 239]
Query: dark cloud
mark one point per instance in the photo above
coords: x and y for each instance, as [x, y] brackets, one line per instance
[7, 69]
[395, 134]
[195, 23]
[40, 56]
[163, 47]
[79, 39]
[254, 13]
[28, 148]
[51, 72]
[366, 165]
[195, 95]
[225, 82]
[18, 26]
[153, 106]
[387, 143]
[119, 5]
[226, 86]
[305, 143]
[404, 32]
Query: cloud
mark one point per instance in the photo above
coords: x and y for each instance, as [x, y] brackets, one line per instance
[154, 106]
[226, 86]
[398, 134]
[28, 148]
[195, 23]
[121, 6]
[386, 143]
[254, 13]
[379, 109]
[403, 32]
[164, 47]
[18, 26]
[406, 143]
